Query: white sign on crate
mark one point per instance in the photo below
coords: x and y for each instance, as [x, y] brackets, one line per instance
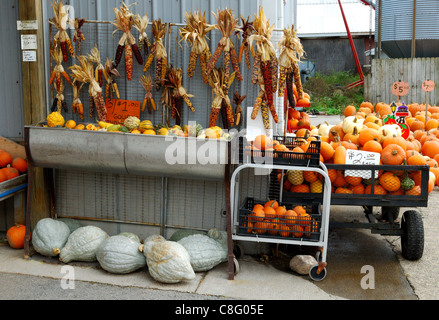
[359, 158]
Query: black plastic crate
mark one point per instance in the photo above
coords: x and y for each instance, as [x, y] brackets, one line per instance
[310, 158]
[303, 228]
[371, 199]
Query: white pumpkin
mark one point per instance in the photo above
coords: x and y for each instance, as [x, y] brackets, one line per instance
[323, 129]
[205, 253]
[82, 244]
[49, 237]
[120, 254]
[390, 130]
[130, 235]
[351, 122]
[167, 261]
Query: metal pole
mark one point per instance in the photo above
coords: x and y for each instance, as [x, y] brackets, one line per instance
[414, 30]
[379, 30]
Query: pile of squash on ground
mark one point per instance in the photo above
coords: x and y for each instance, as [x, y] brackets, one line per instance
[167, 261]
[363, 129]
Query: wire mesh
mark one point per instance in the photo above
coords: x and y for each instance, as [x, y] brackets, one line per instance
[104, 35]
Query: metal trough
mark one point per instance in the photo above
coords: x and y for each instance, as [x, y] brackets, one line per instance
[126, 153]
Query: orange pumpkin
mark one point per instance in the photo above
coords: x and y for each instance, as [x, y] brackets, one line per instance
[340, 155]
[353, 181]
[350, 110]
[262, 142]
[393, 154]
[416, 160]
[368, 134]
[379, 190]
[5, 158]
[16, 236]
[373, 146]
[10, 172]
[415, 191]
[430, 148]
[20, 164]
[368, 105]
[326, 150]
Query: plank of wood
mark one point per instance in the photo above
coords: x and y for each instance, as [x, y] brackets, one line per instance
[15, 149]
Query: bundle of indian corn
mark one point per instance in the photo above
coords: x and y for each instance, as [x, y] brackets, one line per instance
[84, 72]
[227, 25]
[220, 84]
[265, 64]
[158, 51]
[95, 57]
[110, 73]
[195, 34]
[141, 24]
[62, 38]
[123, 22]
[291, 51]
[148, 100]
[55, 78]
[246, 29]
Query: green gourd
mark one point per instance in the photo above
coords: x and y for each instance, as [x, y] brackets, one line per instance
[82, 244]
[50, 236]
[121, 255]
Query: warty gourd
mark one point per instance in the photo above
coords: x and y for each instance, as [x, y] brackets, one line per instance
[167, 261]
[50, 236]
[82, 244]
[120, 254]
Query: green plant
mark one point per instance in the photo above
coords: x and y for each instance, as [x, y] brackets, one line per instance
[328, 92]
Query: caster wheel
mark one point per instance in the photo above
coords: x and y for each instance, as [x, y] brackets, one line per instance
[238, 251]
[314, 275]
[235, 266]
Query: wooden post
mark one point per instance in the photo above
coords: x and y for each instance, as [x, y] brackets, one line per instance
[35, 110]
[34, 84]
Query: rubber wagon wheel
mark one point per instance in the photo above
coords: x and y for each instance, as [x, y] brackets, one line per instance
[412, 238]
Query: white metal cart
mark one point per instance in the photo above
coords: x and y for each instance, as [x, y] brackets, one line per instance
[320, 240]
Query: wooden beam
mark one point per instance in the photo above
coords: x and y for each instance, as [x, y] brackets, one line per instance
[34, 84]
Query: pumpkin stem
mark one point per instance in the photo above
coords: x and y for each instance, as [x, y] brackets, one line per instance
[56, 251]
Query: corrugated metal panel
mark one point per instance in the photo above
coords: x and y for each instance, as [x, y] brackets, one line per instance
[11, 105]
[397, 28]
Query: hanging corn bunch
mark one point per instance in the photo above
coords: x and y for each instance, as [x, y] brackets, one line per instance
[95, 57]
[56, 80]
[291, 51]
[146, 83]
[110, 73]
[195, 33]
[141, 24]
[77, 105]
[227, 24]
[246, 29]
[158, 51]
[221, 101]
[123, 22]
[265, 57]
[60, 21]
[84, 73]
[78, 36]
[168, 102]
[175, 78]
[238, 99]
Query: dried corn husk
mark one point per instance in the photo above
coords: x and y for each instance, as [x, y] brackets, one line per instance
[291, 51]
[141, 24]
[227, 24]
[123, 22]
[60, 21]
[78, 37]
[110, 73]
[84, 73]
[220, 89]
[77, 105]
[158, 51]
[238, 99]
[148, 101]
[246, 29]
[195, 34]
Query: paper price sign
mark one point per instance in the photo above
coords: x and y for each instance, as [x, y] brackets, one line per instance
[359, 158]
[119, 110]
[400, 88]
[428, 85]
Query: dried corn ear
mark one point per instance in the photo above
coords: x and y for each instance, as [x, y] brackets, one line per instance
[164, 69]
[224, 115]
[230, 115]
[64, 50]
[116, 90]
[290, 92]
[54, 105]
[129, 61]
[227, 59]
[265, 110]
[256, 108]
[282, 80]
[91, 106]
[235, 64]
[256, 69]
[274, 73]
[137, 53]
[216, 55]
[70, 47]
[52, 77]
[247, 56]
[158, 72]
[119, 53]
[214, 113]
[203, 65]
[297, 80]
[148, 63]
[192, 64]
